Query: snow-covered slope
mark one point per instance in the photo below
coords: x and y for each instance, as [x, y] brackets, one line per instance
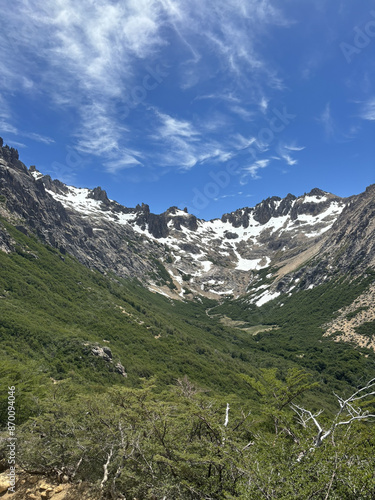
[259, 253]
[216, 258]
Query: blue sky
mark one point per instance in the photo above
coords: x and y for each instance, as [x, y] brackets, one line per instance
[210, 105]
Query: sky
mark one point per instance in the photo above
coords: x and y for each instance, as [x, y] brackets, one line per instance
[210, 105]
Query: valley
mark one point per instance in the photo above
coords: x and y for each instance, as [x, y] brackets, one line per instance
[144, 328]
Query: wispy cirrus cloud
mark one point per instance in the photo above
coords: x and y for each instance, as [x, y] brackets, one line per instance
[244, 113]
[336, 131]
[368, 110]
[293, 147]
[327, 121]
[184, 144]
[289, 160]
[38, 137]
[264, 104]
[101, 136]
[6, 126]
[231, 28]
[172, 127]
[252, 170]
[230, 97]
[87, 59]
[284, 151]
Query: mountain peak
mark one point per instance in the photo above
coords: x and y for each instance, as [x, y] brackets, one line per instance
[317, 192]
[98, 194]
[176, 253]
[35, 172]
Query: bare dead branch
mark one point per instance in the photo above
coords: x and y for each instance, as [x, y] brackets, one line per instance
[227, 415]
[347, 409]
[105, 467]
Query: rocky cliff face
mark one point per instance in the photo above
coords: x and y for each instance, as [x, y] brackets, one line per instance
[299, 241]
[351, 243]
[349, 247]
[32, 201]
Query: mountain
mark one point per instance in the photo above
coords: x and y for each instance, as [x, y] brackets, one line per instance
[254, 254]
[158, 356]
[301, 241]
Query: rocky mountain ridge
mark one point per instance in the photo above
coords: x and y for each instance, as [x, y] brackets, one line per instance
[272, 248]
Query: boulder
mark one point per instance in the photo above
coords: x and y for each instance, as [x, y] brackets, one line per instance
[4, 482]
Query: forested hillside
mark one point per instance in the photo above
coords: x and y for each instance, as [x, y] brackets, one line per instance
[146, 397]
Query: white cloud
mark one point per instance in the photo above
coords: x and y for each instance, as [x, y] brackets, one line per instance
[18, 144]
[292, 147]
[263, 105]
[224, 97]
[284, 150]
[336, 131]
[368, 110]
[327, 121]
[6, 126]
[241, 142]
[123, 161]
[230, 31]
[172, 127]
[184, 146]
[253, 169]
[242, 112]
[87, 56]
[86, 51]
[289, 160]
[103, 137]
[38, 137]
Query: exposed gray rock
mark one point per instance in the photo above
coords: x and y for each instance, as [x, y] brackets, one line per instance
[175, 251]
[102, 352]
[106, 355]
[99, 194]
[119, 368]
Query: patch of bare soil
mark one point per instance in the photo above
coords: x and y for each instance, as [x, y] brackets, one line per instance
[361, 311]
[34, 487]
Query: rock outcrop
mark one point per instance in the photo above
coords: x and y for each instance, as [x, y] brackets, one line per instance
[106, 355]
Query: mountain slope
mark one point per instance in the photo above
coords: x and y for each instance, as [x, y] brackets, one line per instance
[179, 255]
[60, 318]
[174, 397]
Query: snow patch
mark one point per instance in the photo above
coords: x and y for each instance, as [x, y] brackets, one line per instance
[266, 297]
[250, 264]
[314, 199]
[227, 292]
[206, 265]
[36, 174]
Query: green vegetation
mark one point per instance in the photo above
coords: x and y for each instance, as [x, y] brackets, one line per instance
[52, 306]
[162, 277]
[367, 329]
[184, 445]
[161, 430]
[353, 314]
[299, 333]
[185, 277]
